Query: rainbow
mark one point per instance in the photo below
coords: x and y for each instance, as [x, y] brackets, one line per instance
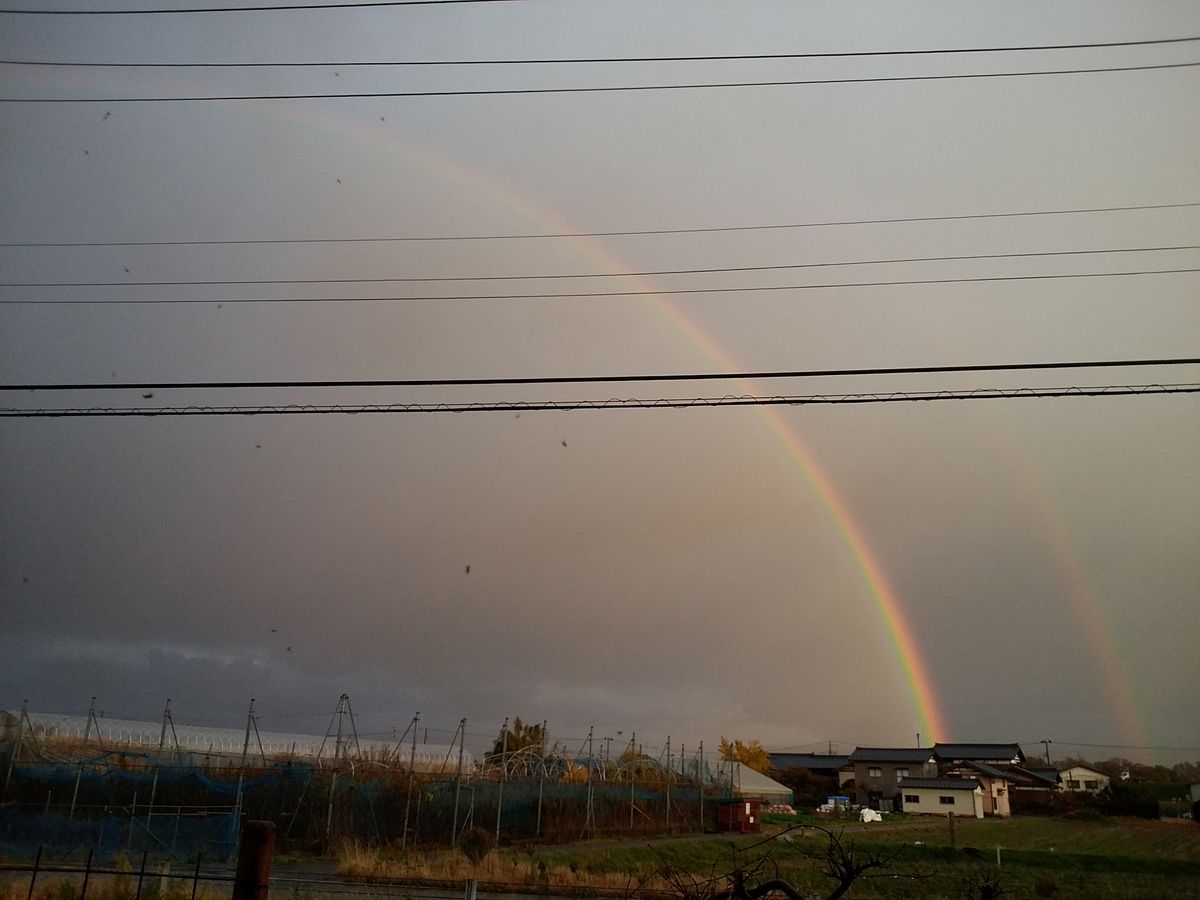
[926, 706]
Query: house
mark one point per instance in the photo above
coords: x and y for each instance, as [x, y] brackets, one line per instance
[878, 772]
[1081, 779]
[828, 765]
[988, 754]
[1033, 788]
[942, 796]
[995, 784]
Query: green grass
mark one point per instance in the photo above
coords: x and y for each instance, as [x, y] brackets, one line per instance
[1125, 858]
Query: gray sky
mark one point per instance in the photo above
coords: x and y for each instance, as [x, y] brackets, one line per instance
[676, 573]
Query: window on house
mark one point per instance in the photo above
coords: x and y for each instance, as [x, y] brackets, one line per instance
[874, 772]
[911, 798]
[1092, 785]
[946, 801]
[902, 773]
[1073, 783]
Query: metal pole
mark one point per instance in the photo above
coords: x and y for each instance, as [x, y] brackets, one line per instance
[669, 772]
[589, 821]
[503, 775]
[132, 819]
[340, 714]
[16, 745]
[87, 733]
[700, 782]
[462, 733]
[196, 876]
[412, 770]
[87, 871]
[162, 739]
[242, 767]
[37, 861]
[141, 875]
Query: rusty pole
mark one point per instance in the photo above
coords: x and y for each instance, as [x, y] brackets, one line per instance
[253, 875]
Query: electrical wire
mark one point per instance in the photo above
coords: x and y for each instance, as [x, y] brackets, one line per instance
[278, 7]
[594, 60]
[596, 89]
[593, 234]
[612, 379]
[592, 294]
[611, 404]
[429, 279]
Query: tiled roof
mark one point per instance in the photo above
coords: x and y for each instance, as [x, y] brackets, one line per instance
[1036, 777]
[1006, 752]
[941, 784]
[816, 761]
[985, 769]
[892, 754]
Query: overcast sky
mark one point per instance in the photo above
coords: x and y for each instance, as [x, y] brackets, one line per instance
[671, 572]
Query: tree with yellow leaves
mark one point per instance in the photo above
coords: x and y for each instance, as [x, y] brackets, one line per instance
[753, 754]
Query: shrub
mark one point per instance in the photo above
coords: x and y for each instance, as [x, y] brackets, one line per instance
[475, 844]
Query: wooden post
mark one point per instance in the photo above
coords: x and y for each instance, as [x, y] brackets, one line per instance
[253, 875]
[950, 819]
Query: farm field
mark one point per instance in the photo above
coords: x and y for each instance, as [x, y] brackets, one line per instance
[1040, 857]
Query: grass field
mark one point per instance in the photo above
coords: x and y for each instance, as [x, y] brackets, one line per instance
[1039, 857]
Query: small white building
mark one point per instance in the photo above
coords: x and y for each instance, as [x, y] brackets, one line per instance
[1081, 779]
[939, 796]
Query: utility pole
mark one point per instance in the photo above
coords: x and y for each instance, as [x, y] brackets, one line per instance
[1046, 742]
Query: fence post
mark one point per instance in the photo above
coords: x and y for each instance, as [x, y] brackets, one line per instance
[254, 861]
[37, 860]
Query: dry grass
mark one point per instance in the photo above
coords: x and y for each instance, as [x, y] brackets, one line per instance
[502, 869]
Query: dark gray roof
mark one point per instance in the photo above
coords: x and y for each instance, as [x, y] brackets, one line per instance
[941, 784]
[1036, 776]
[999, 752]
[985, 769]
[892, 754]
[820, 762]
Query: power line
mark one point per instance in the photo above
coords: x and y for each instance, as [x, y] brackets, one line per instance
[1117, 746]
[595, 89]
[591, 234]
[611, 404]
[612, 379]
[643, 293]
[595, 60]
[643, 274]
[278, 7]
